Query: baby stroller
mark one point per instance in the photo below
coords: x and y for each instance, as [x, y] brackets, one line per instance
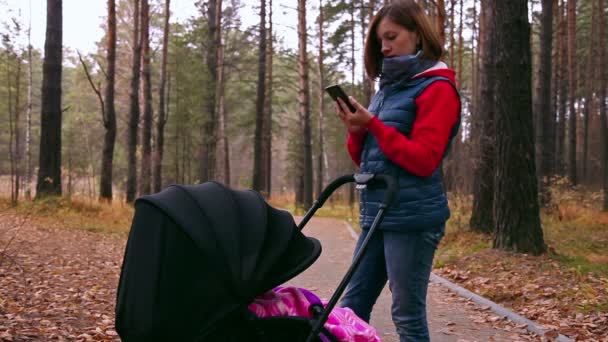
[197, 255]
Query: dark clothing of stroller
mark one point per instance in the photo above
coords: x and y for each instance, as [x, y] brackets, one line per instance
[197, 256]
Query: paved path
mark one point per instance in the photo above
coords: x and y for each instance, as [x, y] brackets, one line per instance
[451, 318]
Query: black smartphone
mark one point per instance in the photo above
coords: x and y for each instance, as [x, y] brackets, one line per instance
[335, 91]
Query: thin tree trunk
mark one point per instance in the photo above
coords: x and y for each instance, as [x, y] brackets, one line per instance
[17, 130]
[572, 94]
[555, 75]
[321, 97]
[109, 117]
[208, 147]
[602, 95]
[589, 86]
[460, 73]
[222, 112]
[546, 129]
[162, 114]
[268, 104]
[560, 154]
[368, 86]
[223, 116]
[304, 100]
[516, 211]
[482, 216]
[259, 165]
[176, 161]
[10, 110]
[133, 107]
[441, 20]
[452, 30]
[219, 86]
[145, 185]
[28, 129]
[474, 59]
[351, 186]
[69, 152]
[49, 171]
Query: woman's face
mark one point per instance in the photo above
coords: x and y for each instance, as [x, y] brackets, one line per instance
[395, 40]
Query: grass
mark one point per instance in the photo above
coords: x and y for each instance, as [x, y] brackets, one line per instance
[574, 229]
[76, 213]
[331, 208]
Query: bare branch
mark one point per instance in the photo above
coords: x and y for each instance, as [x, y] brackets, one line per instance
[95, 89]
[103, 71]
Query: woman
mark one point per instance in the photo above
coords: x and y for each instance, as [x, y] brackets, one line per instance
[405, 133]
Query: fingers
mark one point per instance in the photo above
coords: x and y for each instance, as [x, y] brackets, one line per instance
[340, 112]
[354, 102]
[343, 107]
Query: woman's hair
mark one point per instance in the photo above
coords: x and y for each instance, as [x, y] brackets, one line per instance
[408, 14]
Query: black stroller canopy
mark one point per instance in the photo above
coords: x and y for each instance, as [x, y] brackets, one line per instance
[198, 253]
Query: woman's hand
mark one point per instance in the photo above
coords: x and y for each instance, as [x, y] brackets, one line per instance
[354, 122]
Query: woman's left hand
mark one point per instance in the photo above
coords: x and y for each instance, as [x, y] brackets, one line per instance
[359, 118]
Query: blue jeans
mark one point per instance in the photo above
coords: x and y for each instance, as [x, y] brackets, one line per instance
[404, 259]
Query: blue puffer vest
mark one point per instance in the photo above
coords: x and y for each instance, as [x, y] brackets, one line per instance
[420, 202]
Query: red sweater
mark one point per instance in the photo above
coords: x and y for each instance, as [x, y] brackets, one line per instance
[438, 109]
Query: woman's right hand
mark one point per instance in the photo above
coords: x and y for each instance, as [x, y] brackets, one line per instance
[350, 127]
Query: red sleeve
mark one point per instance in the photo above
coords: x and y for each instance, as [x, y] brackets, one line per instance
[421, 153]
[354, 145]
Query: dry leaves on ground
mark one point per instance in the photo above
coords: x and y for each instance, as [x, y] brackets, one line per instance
[538, 288]
[57, 284]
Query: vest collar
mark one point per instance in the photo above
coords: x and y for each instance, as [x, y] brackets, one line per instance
[403, 68]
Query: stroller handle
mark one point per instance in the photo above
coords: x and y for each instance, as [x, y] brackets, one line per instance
[362, 180]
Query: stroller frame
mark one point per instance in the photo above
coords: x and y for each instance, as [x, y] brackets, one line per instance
[362, 180]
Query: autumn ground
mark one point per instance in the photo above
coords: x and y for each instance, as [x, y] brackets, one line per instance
[43, 293]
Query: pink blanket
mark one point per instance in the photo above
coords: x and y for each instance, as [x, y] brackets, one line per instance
[293, 301]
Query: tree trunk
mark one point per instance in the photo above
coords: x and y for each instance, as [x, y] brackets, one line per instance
[516, 212]
[602, 95]
[145, 185]
[259, 165]
[162, 114]
[482, 216]
[589, 86]
[572, 95]
[460, 72]
[560, 154]
[11, 129]
[267, 133]
[17, 130]
[208, 147]
[452, 30]
[321, 96]
[474, 59]
[28, 129]
[351, 186]
[546, 128]
[441, 21]
[223, 115]
[133, 107]
[109, 117]
[555, 75]
[368, 86]
[304, 100]
[49, 171]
